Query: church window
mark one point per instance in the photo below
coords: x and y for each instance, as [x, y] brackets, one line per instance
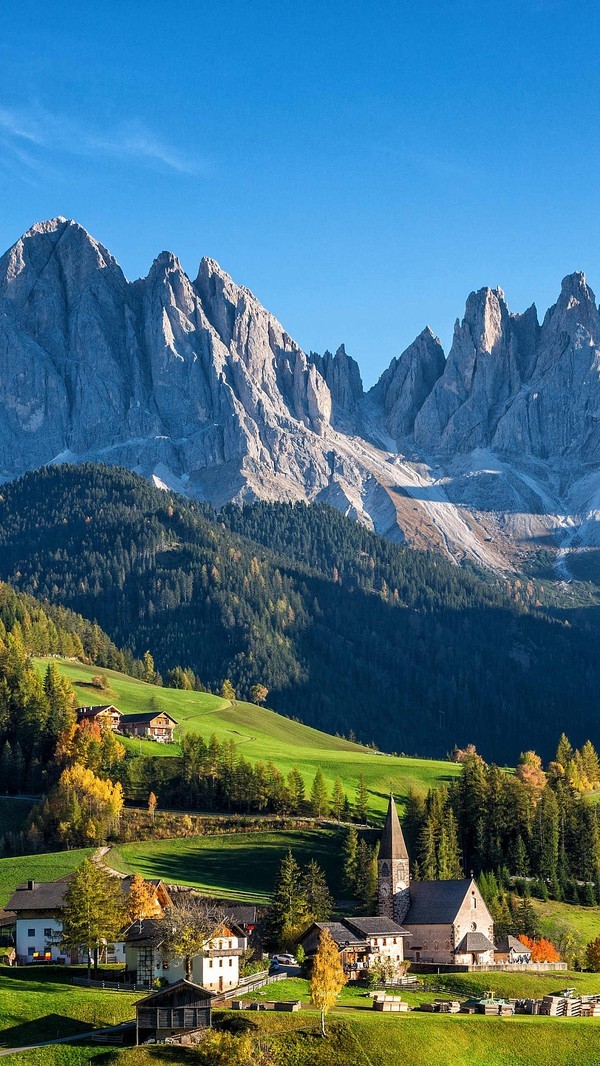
[436, 945]
[473, 901]
[425, 944]
[473, 926]
[447, 945]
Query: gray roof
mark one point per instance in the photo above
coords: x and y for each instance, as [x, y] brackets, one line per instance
[436, 902]
[145, 932]
[167, 992]
[379, 926]
[97, 708]
[511, 943]
[473, 941]
[392, 845]
[340, 931]
[44, 896]
[241, 915]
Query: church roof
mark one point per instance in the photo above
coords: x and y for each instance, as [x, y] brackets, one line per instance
[511, 943]
[473, 942]
[392, 844]
[436, 902]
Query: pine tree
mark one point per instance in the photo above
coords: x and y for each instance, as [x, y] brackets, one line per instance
[295, 784]
[349, 859]
[316, 893]
[361, 805]
[288, 914]
[337, 799]
[564, 753]
[318, 796]
[93, 910]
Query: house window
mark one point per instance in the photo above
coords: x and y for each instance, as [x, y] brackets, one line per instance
[220, 964]
[48, 933]
[395, 940]
[210, 962]
[31, 932]
[30, 952]
[231, 962]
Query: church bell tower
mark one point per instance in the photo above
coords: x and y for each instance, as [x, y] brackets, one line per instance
[393, 868]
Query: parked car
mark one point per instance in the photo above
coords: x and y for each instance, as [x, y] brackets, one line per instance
[285, 960]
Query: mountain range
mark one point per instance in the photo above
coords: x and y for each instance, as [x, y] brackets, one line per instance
[491, 453]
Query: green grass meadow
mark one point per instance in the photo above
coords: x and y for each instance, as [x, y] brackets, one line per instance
[241, 866]
[47, 866]
[262, 734]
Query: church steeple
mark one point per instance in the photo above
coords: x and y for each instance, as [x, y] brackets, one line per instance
[393, 868]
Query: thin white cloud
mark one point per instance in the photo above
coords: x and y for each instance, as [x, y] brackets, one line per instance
[45, 132]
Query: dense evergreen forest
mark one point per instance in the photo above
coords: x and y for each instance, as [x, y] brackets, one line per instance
[346, 630]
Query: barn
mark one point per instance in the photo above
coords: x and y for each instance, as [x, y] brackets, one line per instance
[172, 1011]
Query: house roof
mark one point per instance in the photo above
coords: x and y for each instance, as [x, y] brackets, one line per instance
[241, 915]
[43, 896]
[473, 942]
[379, 926]
[436, 902]
[146, 716]
[511, 943]
[341, 933]
[145, 932]
[392, 845]
[166, 993]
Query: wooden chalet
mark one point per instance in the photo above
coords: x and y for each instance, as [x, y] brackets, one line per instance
[104, 714]
[172, 1011]
[151, 725]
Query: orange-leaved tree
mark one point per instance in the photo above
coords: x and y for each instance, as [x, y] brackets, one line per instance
[542, 950]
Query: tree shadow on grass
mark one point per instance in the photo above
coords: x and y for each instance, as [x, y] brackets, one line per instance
[39, 1030]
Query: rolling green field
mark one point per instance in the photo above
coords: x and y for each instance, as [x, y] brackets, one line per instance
[47, 866]
[583, 921]
[39, 1003]
[518, 983]
[262, 734]
[240, 866]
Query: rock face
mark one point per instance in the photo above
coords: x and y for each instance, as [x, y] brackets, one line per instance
[195, 384]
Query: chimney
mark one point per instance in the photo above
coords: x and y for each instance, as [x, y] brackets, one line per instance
[31, 885]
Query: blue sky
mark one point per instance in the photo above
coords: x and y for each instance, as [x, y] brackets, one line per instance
[361, 166]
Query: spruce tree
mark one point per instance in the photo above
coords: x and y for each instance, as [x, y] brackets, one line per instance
[288, 914]
[316, 893]
[349, 859]
[318, 796]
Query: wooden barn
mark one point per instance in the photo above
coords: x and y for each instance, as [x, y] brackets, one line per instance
[172, 1011]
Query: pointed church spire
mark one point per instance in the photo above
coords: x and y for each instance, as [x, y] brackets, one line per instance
[392, 844]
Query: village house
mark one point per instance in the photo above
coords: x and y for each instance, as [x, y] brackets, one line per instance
[216, 968]
[151, 725]
[105, 714]
[37, 906]
[361, 942]
[511, 951]
[448, 921]
[180, 1008]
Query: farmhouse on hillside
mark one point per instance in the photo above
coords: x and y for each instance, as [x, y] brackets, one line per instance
[361, 942]
[216, 968]
[448, 921]
[38, 905]
[151, 725]
[104, 714]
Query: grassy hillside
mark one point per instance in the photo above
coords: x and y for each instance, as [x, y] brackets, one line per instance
[47, 866]
[39, 1003]
[262, 734]
[583, 921]
[240, 866]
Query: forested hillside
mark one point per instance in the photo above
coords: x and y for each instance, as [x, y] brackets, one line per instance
[347, 631]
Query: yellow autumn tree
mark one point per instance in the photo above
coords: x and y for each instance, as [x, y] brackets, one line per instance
[85, 806]
[141, 901]
[328, 977]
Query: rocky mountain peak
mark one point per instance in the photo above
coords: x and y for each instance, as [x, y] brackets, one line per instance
[405, 385]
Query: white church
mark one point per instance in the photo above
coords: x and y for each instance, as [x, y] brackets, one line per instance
[448, 921]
